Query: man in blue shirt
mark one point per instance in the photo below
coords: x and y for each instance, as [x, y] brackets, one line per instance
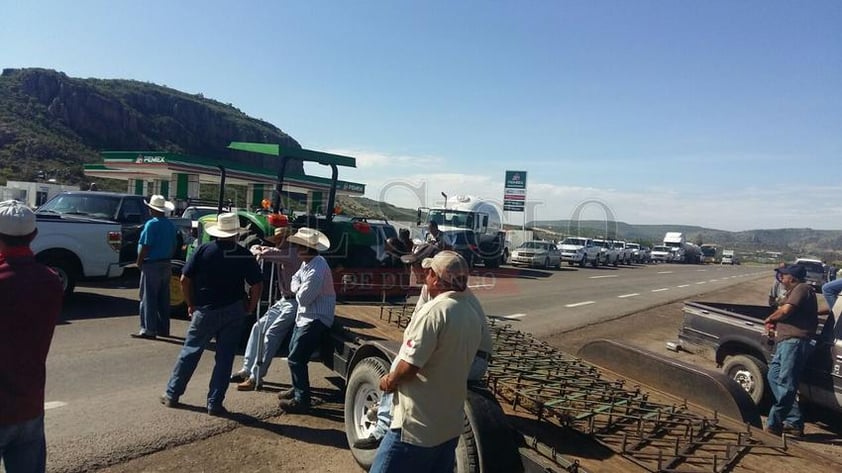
[312, 285]
[155, 248]
[213, 282]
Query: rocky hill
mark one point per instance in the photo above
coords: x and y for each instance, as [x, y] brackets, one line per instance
[56, 123]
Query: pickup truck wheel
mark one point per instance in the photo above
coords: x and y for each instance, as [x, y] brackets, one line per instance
[362, 398]
[68, 270]
[749, 373]
[487, 442]
[178, 306]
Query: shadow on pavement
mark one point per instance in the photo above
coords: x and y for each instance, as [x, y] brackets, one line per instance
[89, 305]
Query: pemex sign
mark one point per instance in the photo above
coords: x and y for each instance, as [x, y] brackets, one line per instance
[514, 193]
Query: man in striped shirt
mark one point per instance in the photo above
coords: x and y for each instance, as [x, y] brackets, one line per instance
[312, 285]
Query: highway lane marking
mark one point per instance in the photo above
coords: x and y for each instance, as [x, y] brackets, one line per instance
[579, 304]
[714, 280]
[683, 285]
[606, 276]
[480, 285]
[701, 270]
[702, 282]
[664, 272]
[628, 295]
[512, 316]
[53, 405]
[661, 289]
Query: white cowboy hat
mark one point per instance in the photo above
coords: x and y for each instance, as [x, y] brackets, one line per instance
[160, 203]
[311, 239]
[227, 225]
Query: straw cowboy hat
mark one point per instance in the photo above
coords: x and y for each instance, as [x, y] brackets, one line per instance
[311, 239]
[160, 203]
[227, 225]
[280, 234]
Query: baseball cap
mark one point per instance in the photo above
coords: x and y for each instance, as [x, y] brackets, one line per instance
[450, 267]
[795, 270]
[16, 219]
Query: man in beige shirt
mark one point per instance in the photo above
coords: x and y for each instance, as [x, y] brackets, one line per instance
[430, 378]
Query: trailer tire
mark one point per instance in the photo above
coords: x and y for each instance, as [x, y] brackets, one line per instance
[362, 394]
[750, 374]
[488, 444]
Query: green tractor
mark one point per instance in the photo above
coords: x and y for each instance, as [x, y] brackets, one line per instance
[361, 268]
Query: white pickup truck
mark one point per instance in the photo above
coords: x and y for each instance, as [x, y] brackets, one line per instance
[78, 248]
[578, 250]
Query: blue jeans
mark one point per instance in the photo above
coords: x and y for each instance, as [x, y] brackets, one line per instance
[23, 447]
[401, 457]
[305, 340]
[831, 291]
[784, 373]
[222, 324]
[280, 318]
[155, 298]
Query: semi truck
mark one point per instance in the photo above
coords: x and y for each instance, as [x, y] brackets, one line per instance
[468, 213]
[682, 250]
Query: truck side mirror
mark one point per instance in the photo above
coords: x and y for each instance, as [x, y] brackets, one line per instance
[418, 218]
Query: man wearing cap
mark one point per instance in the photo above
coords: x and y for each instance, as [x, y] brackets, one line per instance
[312, 285]
[430, 380]
[435, 236]
[279, 319]
[31, 297]
[795, 321]
[155, 248]
[212, 282]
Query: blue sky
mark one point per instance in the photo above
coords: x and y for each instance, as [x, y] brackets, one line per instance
[718, 113]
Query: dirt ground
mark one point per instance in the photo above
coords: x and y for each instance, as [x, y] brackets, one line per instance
[317, 443]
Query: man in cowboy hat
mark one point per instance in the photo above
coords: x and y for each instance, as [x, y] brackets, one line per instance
[313, 288]
[278, 321]
[212, 282]
[31, 297]
[154, 250]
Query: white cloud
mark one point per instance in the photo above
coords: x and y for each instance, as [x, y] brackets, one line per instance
[402, 181]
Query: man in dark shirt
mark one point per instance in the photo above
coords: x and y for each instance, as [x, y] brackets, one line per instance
[795, 321]
[31, 297]
[212, 282]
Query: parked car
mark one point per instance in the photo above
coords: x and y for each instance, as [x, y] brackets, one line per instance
[578, 250]
[660, 254]
[536, 253]
[624, 252]
[607, 253]
[816, 274]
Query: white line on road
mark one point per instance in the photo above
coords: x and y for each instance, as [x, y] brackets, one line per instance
[713, 280]
[480, 285]
[512, 316]
[578, 304]
[628, 295]
[701, 270]
[702, 282]
[54, 405]
[607, 276]
[683, 285]
[661, 289]
[664, 272]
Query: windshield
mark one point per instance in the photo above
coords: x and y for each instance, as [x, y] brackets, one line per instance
[709, 250]
[535, 245]
[672, 244]
[602, 243]
[194, 213]
[812, 267]
[574, 241]
[452, 218]
[633, 246]
[98, 206]
[618, 244]
[660, 248]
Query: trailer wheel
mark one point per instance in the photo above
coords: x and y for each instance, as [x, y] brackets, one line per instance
[362, 398]
[750, 374]
[178, 306]
[487, 444]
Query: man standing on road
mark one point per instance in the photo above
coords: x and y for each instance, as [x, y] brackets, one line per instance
[430, 380]
[312, 285]
[212, 282]
[795, 321]
[777, 293]
[279, 319]
[31, 298]
[155, 249]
